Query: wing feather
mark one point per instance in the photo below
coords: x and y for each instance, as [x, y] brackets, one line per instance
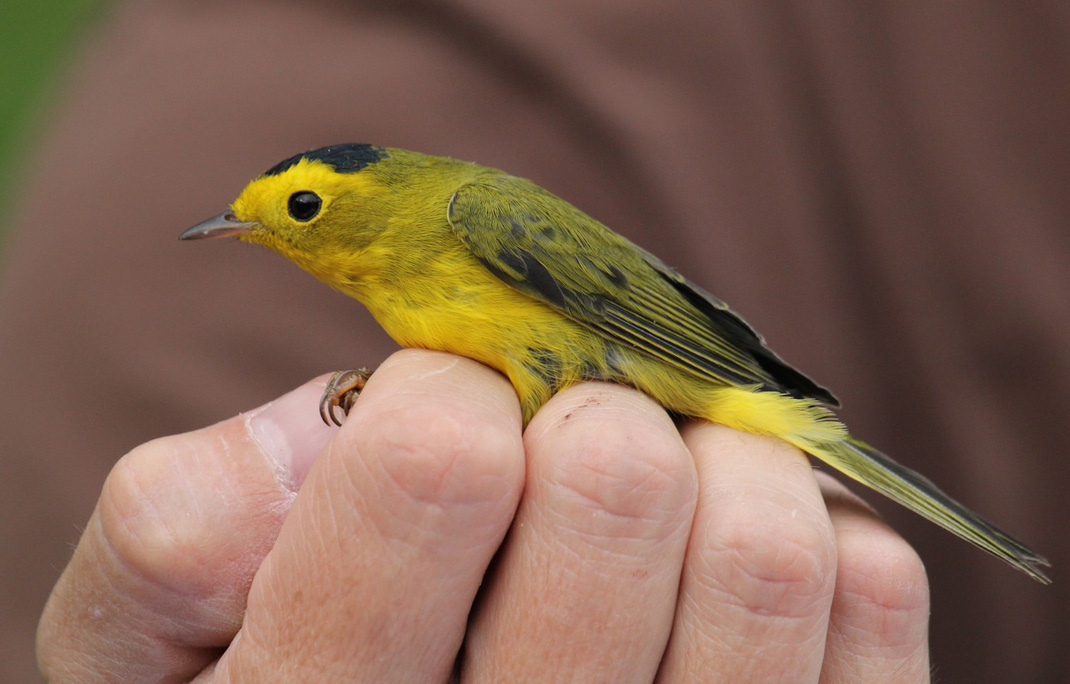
[544, 247]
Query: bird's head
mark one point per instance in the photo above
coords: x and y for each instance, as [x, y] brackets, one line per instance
[307, 207]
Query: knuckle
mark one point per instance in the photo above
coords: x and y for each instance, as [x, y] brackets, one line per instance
[882, 585]
[444, 454]
[783, 568]
[140, 524]
[626, 468]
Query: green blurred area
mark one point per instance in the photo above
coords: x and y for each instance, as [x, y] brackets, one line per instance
[37, 38]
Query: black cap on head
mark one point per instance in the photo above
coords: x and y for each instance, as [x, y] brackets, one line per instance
[345, 158]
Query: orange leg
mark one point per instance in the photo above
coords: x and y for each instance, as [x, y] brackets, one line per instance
[341, 393]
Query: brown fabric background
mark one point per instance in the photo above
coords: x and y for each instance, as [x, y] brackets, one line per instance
[883, 189]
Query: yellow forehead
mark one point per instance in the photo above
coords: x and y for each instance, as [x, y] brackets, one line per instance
[264, 199]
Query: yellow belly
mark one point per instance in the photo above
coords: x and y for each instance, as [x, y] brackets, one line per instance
[471, 313]
[455, 305]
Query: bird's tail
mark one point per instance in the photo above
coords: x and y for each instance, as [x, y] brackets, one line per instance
[904, 486]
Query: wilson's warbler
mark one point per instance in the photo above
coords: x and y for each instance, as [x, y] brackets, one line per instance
[462, 258]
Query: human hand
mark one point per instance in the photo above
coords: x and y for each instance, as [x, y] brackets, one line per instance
[634, 553]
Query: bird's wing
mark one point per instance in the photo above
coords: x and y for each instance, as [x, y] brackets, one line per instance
[546, 248]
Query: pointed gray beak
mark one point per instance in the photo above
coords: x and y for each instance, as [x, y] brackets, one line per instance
[224, 225]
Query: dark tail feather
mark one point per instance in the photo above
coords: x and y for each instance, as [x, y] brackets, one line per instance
[904, 486]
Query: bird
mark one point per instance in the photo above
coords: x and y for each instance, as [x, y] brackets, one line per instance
[454, 256]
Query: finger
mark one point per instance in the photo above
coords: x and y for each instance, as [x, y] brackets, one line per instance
[878, 629]
[758, 580]
[158, 581]
[586, 584]
[373, 574]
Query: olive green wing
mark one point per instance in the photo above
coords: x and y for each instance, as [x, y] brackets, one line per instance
[546, 248]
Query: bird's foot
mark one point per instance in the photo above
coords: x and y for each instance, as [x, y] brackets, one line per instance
[341, 393]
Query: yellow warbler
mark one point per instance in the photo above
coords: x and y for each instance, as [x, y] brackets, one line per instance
[457, 257]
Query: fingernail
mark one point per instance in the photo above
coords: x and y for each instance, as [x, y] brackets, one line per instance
[290, 432]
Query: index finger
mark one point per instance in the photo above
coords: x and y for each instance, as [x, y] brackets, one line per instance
[374, 572]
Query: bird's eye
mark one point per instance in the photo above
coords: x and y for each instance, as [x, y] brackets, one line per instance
[304, 205]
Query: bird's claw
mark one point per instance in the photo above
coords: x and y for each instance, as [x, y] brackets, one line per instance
[341, 394]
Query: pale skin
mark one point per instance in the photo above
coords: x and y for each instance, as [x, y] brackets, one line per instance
[270, 547]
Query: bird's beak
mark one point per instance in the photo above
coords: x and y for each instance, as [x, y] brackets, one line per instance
[218, 226]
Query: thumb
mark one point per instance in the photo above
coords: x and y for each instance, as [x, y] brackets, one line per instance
[158, 581]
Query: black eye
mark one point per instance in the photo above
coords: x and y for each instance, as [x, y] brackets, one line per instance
[304, 205]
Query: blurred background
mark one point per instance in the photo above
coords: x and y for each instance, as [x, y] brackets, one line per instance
[882, 190]
[37, 41]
